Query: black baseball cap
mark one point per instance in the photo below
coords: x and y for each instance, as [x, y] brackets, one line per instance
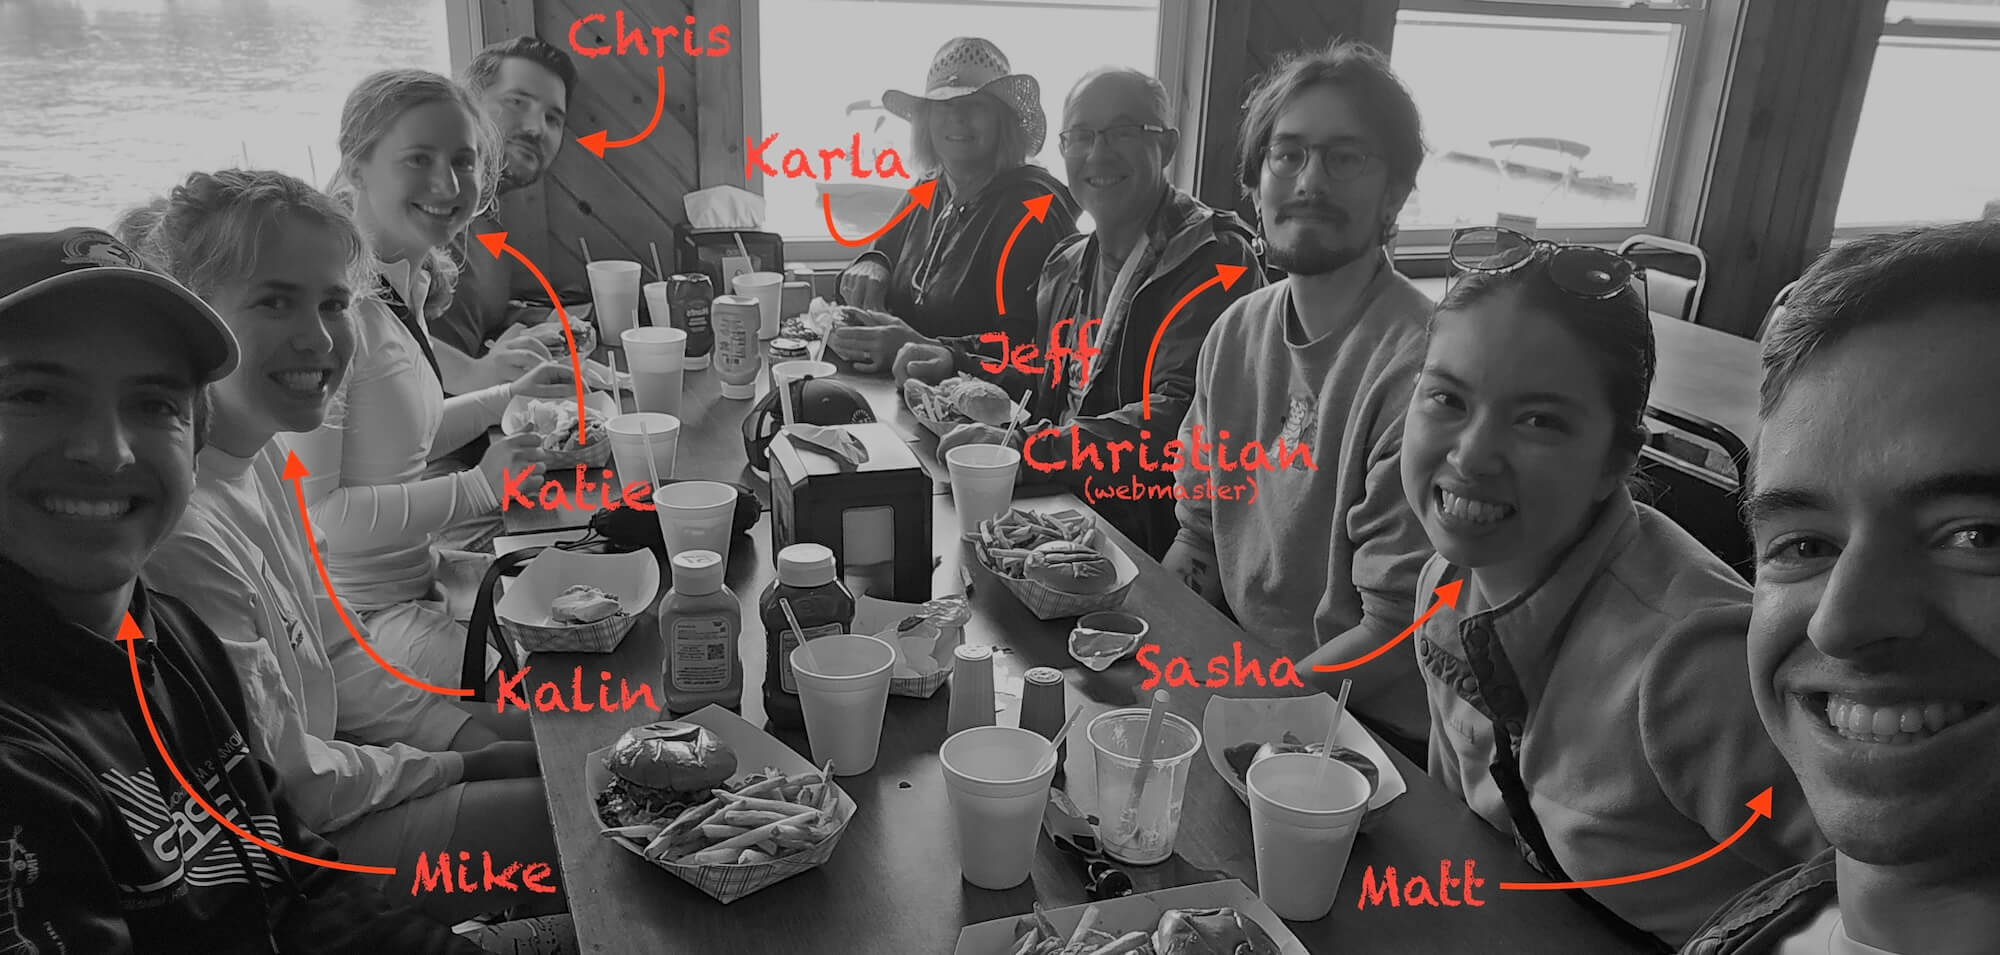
[34, 264]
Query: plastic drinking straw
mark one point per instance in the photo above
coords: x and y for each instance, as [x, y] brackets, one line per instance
[1014, 419]
[658, 273]
[785, 604]
[646, 439]
[743, 250]
[1339, 713]
[1042, 765]
[619, 399]
[246, 152]
[311, 165]
[585, 246]
[1128, 821]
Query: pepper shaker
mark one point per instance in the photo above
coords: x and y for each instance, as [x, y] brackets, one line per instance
[971, 688]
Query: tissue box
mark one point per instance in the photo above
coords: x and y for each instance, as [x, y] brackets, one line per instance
[874, 513]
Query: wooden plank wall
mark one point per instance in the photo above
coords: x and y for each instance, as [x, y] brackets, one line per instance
[633, 195]
[1246, 40]
[1788, 118]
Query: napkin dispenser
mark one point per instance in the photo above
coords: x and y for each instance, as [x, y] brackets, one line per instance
[874, 515]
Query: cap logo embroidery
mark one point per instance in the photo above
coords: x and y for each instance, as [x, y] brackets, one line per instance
[96, 248]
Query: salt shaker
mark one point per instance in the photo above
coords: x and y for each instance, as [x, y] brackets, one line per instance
[1043, 708]
[971, 688]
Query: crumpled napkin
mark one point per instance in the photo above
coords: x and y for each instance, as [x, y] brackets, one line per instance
[835, 443]
[724, 208]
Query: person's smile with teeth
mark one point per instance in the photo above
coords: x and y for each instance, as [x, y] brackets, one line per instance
[1469, 506]
[1895, 723]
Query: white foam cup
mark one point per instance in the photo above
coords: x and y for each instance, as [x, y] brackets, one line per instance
[1304, 812]
[997, 796]
[843, 682]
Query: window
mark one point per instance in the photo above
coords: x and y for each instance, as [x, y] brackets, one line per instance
[1565, 123]
[1926, 149]
[111, 102]
[832, 91]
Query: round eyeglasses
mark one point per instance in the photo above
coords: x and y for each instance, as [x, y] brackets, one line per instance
[1342, 162]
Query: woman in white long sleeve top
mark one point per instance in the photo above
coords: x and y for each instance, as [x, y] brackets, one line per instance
[416, 165]
[384, 770]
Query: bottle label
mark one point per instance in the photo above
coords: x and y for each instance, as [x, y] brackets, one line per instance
[699, 653]
[789, 641]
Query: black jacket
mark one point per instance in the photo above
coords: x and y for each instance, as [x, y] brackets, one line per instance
[105, 852]
[954, 248]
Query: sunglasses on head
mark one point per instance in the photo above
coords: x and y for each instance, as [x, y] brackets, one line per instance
[1584, 271]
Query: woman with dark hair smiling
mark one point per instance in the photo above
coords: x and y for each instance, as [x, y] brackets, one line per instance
[972, 132]
[1588, 693]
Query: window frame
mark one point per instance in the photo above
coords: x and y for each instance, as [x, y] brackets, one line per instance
[1667, 186]
[1183, 30]
[1913, 28]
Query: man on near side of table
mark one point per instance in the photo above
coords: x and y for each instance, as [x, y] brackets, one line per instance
[1875, 630]
[523, 86]
[1322, 563]
[1110, 291]
[102, 370]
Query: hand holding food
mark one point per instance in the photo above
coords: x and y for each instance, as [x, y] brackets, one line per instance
[925, 361]
[958, 400]
[547, 380]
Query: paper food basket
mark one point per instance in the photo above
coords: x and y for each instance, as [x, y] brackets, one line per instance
[1048, 603]
[755, 750]
[1138, 913]
[523, 611]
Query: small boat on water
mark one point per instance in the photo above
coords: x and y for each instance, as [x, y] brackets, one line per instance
[1546, 159]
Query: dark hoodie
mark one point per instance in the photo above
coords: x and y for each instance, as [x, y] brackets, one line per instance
[105, 853]
[954, 248]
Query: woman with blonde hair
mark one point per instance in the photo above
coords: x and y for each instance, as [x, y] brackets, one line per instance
[973, 130]
[417, 162]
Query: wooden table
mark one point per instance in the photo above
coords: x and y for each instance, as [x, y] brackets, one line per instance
[1706, 380]
[894, 884]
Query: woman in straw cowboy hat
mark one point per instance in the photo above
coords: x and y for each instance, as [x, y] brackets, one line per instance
[932, 276]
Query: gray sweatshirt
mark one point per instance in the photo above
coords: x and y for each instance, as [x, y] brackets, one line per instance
[1334, 548]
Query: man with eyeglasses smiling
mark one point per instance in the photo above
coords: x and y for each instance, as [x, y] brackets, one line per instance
[1110, 290]
[1328, 551]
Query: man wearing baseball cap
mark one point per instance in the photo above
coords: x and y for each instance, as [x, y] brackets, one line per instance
[111, 695]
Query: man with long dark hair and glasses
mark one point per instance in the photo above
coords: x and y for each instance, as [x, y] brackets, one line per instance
[1328, 552]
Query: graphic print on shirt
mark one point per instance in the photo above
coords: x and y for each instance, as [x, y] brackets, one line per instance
[18, 869]
[1301, 420]
[186, 844]
[289, 614]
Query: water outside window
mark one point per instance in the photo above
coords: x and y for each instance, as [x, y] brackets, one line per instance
[106, 103]
[1562, 122]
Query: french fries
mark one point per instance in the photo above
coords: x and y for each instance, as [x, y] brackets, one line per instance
[1040, 937]
[1005, 542]
[760, 818]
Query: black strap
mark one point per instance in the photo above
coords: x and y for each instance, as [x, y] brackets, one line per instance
[408, 316]
[482, 632]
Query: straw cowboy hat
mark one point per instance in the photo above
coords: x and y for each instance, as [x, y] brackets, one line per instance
[967, 65]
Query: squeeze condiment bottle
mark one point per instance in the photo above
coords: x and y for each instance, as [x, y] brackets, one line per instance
[701, 622]
[823, 606]
[738, 352]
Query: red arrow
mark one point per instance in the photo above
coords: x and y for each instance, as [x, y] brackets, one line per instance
[295, 472]
[595, 141]
[496, 243]
[921, 192]
[1038, 208]
[1760, 807]
[1224, 274]
[129, 634]
[1447, 597]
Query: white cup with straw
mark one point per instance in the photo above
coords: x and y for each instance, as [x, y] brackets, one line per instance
[1305, 809]
[843, 682]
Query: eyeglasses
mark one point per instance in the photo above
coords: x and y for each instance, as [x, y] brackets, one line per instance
[1342, 162]
[1078, 140]
[1584, 271]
